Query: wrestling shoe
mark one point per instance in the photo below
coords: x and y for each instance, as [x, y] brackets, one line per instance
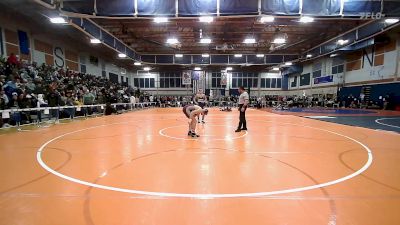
[203, 121]
[189, 133]
[238, 130]
[244, 129]
[195, 135]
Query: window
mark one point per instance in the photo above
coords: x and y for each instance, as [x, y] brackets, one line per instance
[144, 82]
[1, 42]
[305, 79]
[136, 82]
[216, 80]
[271, 83]
[171, 80]
[294, 82]
[278, 82]
[83, 68]
[317, 73]
[244, 79]
[337, 69]
[317, 69]
[152, 83]
[141, 82]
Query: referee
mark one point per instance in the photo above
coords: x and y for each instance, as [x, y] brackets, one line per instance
[243, 102]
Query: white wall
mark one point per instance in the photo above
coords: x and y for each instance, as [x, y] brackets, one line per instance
[368, 72]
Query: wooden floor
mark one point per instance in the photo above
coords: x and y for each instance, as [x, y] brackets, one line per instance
[141, 168]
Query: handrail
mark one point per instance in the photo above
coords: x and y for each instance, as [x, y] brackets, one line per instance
[77, 106]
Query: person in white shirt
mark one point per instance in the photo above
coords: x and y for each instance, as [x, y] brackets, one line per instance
[243, 102]
[132, 100]
[200, 99]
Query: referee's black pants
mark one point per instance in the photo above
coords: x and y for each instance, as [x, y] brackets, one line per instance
[242, 118]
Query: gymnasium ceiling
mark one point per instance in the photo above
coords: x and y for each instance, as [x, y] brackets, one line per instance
[134, 32]
[227, 34]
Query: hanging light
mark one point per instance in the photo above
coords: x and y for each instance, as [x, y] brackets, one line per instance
[172, 41]
[267, 19]
[58, 20]
[306, 19]
[161, 20]
[249, 41]
[206, 19]
[95, 41]
[205, 40]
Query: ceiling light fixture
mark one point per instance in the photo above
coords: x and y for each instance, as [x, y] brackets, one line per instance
[58, 20]
[288, 63]
[249, 41]
[147, 68]
[172, 41]
[137, 63]
[342, 42]
[391, 20]
[238, 55]
[306, 19]
[122, 55]
[197, 68]
[205, 40]
[178, 55]
[275, 68]
[333, 55]
[205, 55]
[160, 20]
[95, 41]
[308, 55]
[260, 55]
[279, 40]
[229, 68]
[267, 19]
[206, 19]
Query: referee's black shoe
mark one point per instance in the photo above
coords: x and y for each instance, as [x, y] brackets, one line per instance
[238, 130]
[244, 129]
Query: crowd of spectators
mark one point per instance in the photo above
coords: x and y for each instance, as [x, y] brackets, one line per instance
[25, 85]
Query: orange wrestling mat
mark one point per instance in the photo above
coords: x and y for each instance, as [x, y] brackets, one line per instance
[142, 168]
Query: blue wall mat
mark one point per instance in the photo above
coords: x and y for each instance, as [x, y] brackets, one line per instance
[85, 7]
[280, 6]
[115, 7]
[358, 8]
[229, 7]
[197, 7]
[156, 7]
[321, 7]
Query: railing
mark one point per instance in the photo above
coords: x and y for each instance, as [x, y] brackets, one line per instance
[39, 114]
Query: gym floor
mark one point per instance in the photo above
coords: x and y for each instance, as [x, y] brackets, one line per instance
[141, 168]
